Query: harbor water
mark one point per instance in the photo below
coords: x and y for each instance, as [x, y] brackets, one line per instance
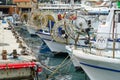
[55, 67]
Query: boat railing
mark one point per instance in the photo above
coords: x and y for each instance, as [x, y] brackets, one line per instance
[59, 6]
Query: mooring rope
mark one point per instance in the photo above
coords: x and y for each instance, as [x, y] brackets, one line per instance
[59, 66]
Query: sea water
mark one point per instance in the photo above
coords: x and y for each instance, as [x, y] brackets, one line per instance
[57, 67]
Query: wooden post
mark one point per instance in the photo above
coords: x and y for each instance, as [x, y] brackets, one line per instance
[20, 44]
[15, 54]
[4, 54]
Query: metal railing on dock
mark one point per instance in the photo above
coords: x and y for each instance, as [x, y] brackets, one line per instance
[59, 6]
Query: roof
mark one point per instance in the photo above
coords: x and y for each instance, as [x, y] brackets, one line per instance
[21, 0]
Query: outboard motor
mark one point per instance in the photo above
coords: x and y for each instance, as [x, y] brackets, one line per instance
[89, 23]
[64, 34]
[87, 30]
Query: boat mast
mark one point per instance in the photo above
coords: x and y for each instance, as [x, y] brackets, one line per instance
[113, 35]
[72, 4]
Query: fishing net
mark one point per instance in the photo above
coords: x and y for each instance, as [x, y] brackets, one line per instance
[42, 20]
[59, 33]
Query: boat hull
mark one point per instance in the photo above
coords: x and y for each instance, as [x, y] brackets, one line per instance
[56, 47]
[73, 58]
[98, 68]
[31, 30]
[53, 45]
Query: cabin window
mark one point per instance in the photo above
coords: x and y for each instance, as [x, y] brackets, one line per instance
[118, 17]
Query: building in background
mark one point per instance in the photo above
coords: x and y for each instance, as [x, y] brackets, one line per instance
[7, 7]
[59, 1]
[24, 6]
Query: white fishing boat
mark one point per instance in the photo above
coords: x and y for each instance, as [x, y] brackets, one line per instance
[17, 61]
[56, 40]
[101, 62]
[52, 44]
[44, 31]
[30, 29]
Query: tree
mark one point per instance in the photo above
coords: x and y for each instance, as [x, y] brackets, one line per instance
[9, 2]
[4, 2]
